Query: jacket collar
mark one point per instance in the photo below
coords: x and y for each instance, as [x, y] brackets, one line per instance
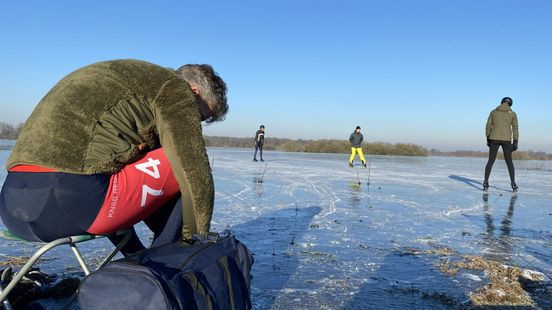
[504, 107]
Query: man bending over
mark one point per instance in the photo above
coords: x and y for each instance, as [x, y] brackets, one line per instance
[112, 144]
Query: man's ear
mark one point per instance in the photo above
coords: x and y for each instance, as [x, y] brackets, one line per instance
[195, 89]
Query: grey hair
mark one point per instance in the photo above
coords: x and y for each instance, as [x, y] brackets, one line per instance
[211, 87]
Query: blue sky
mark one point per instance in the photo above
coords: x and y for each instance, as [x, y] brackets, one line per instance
[425, 72]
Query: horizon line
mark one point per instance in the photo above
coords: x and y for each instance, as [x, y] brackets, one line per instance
[391, 143]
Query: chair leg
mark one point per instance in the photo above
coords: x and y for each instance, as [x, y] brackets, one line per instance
[128, 235]
[6, 275]
[79, 258]
[72, 243]
[29, 264]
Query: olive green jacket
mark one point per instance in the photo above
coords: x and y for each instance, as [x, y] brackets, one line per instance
[502, 124]
[106, 115]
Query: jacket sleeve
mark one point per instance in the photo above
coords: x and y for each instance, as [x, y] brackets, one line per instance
[361, 138]
[351, 138]
[515, 129]
[179, 126]
[489, 126]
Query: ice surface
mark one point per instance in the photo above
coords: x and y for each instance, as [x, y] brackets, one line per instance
[322, 241]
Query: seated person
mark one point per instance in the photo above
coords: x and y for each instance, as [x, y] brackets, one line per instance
[113, 144]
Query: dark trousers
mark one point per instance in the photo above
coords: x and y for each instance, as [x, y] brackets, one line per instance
[258, 147]
[45, 206]
[507, 150]
[165, 223]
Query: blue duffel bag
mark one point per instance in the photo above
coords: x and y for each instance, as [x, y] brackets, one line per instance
[211, 273]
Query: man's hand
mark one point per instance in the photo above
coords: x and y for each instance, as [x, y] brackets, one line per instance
[488, 142]
[515, 146]
[186, 242]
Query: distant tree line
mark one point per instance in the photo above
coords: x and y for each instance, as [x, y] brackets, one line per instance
[517, 155]
[8, 131]
[320, 146]
[373, 148]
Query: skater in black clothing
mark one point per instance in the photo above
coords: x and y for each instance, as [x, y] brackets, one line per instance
[259, 142]
[502, 127]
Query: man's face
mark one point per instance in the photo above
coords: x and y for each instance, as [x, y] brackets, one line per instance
[205, 107]
[357, 131]
[262, 129]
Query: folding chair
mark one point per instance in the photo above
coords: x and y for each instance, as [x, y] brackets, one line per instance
[71, 241]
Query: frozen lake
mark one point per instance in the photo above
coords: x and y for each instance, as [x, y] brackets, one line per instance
[321, 241]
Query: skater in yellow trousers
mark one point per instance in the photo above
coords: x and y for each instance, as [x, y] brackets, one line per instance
[354, 151]
[356, 139]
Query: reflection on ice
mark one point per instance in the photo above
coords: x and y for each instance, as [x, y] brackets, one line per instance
[351, 253]
[499, 247]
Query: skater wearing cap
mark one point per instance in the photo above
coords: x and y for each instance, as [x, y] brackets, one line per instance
[259, 142]
[356, 141]
[502, 127]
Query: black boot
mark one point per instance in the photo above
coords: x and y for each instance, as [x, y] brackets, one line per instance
[255, 159]
[514, 187]
[351, 164]
[364, 164]
[485, 185]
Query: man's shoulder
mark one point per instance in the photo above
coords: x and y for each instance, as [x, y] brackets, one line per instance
[126, 63]
[495, 112]
[122, 69]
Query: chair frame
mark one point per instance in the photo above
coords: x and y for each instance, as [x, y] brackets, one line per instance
[72, 242]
